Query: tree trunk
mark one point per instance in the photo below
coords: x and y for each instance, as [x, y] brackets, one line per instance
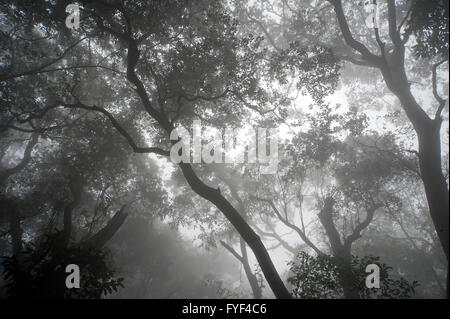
[106, 233]
[252, 279]
[434, 182]
[208, 193]
[339, 250]
[430, 163]
[75, 186]
[9, 210]
[346, 276]
[247, 233]
[428, 133]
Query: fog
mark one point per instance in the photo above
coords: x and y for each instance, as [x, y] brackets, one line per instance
[224, 149]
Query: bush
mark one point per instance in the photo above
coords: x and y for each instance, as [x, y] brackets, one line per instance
[318, 278]
[39, 271]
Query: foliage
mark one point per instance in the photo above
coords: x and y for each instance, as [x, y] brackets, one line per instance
[226, 77]
[316, 68]
[319, 277]
[429, 24]
[223, 292]
[39, 271]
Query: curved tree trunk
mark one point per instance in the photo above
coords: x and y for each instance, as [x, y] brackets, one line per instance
[246, 232]
[208, 193]
[430, 163]
[392, 66]
[100, 239]
[434, 182]
[341, 251]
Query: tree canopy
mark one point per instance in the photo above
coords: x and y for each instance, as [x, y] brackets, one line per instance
[87, 176]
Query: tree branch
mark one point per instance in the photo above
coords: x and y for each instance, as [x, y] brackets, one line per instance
[25, 159]
[106, 233]
[438, 98]
[280, 240]
[360, 227]
[348, 37]
[41, 67]
[76, 186]
[208, 193]
[290, 225]
[232, 251]
[119, 128]
[326, 219]
[394, 34]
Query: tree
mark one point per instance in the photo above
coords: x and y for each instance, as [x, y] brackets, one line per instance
[390, 61]
[39, 272]
[133, 72]
[318, 278]
[383, 47]
[392, 67]
[156, 262]
[177, 80]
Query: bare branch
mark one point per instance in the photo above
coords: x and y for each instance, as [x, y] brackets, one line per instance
[290, 225]
[280, 240]
[232, 251]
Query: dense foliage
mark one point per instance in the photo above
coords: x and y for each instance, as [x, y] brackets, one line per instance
[39, 271]
[318, 277]
[87, 114]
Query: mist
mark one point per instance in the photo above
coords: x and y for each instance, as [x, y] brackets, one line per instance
[319, 169]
